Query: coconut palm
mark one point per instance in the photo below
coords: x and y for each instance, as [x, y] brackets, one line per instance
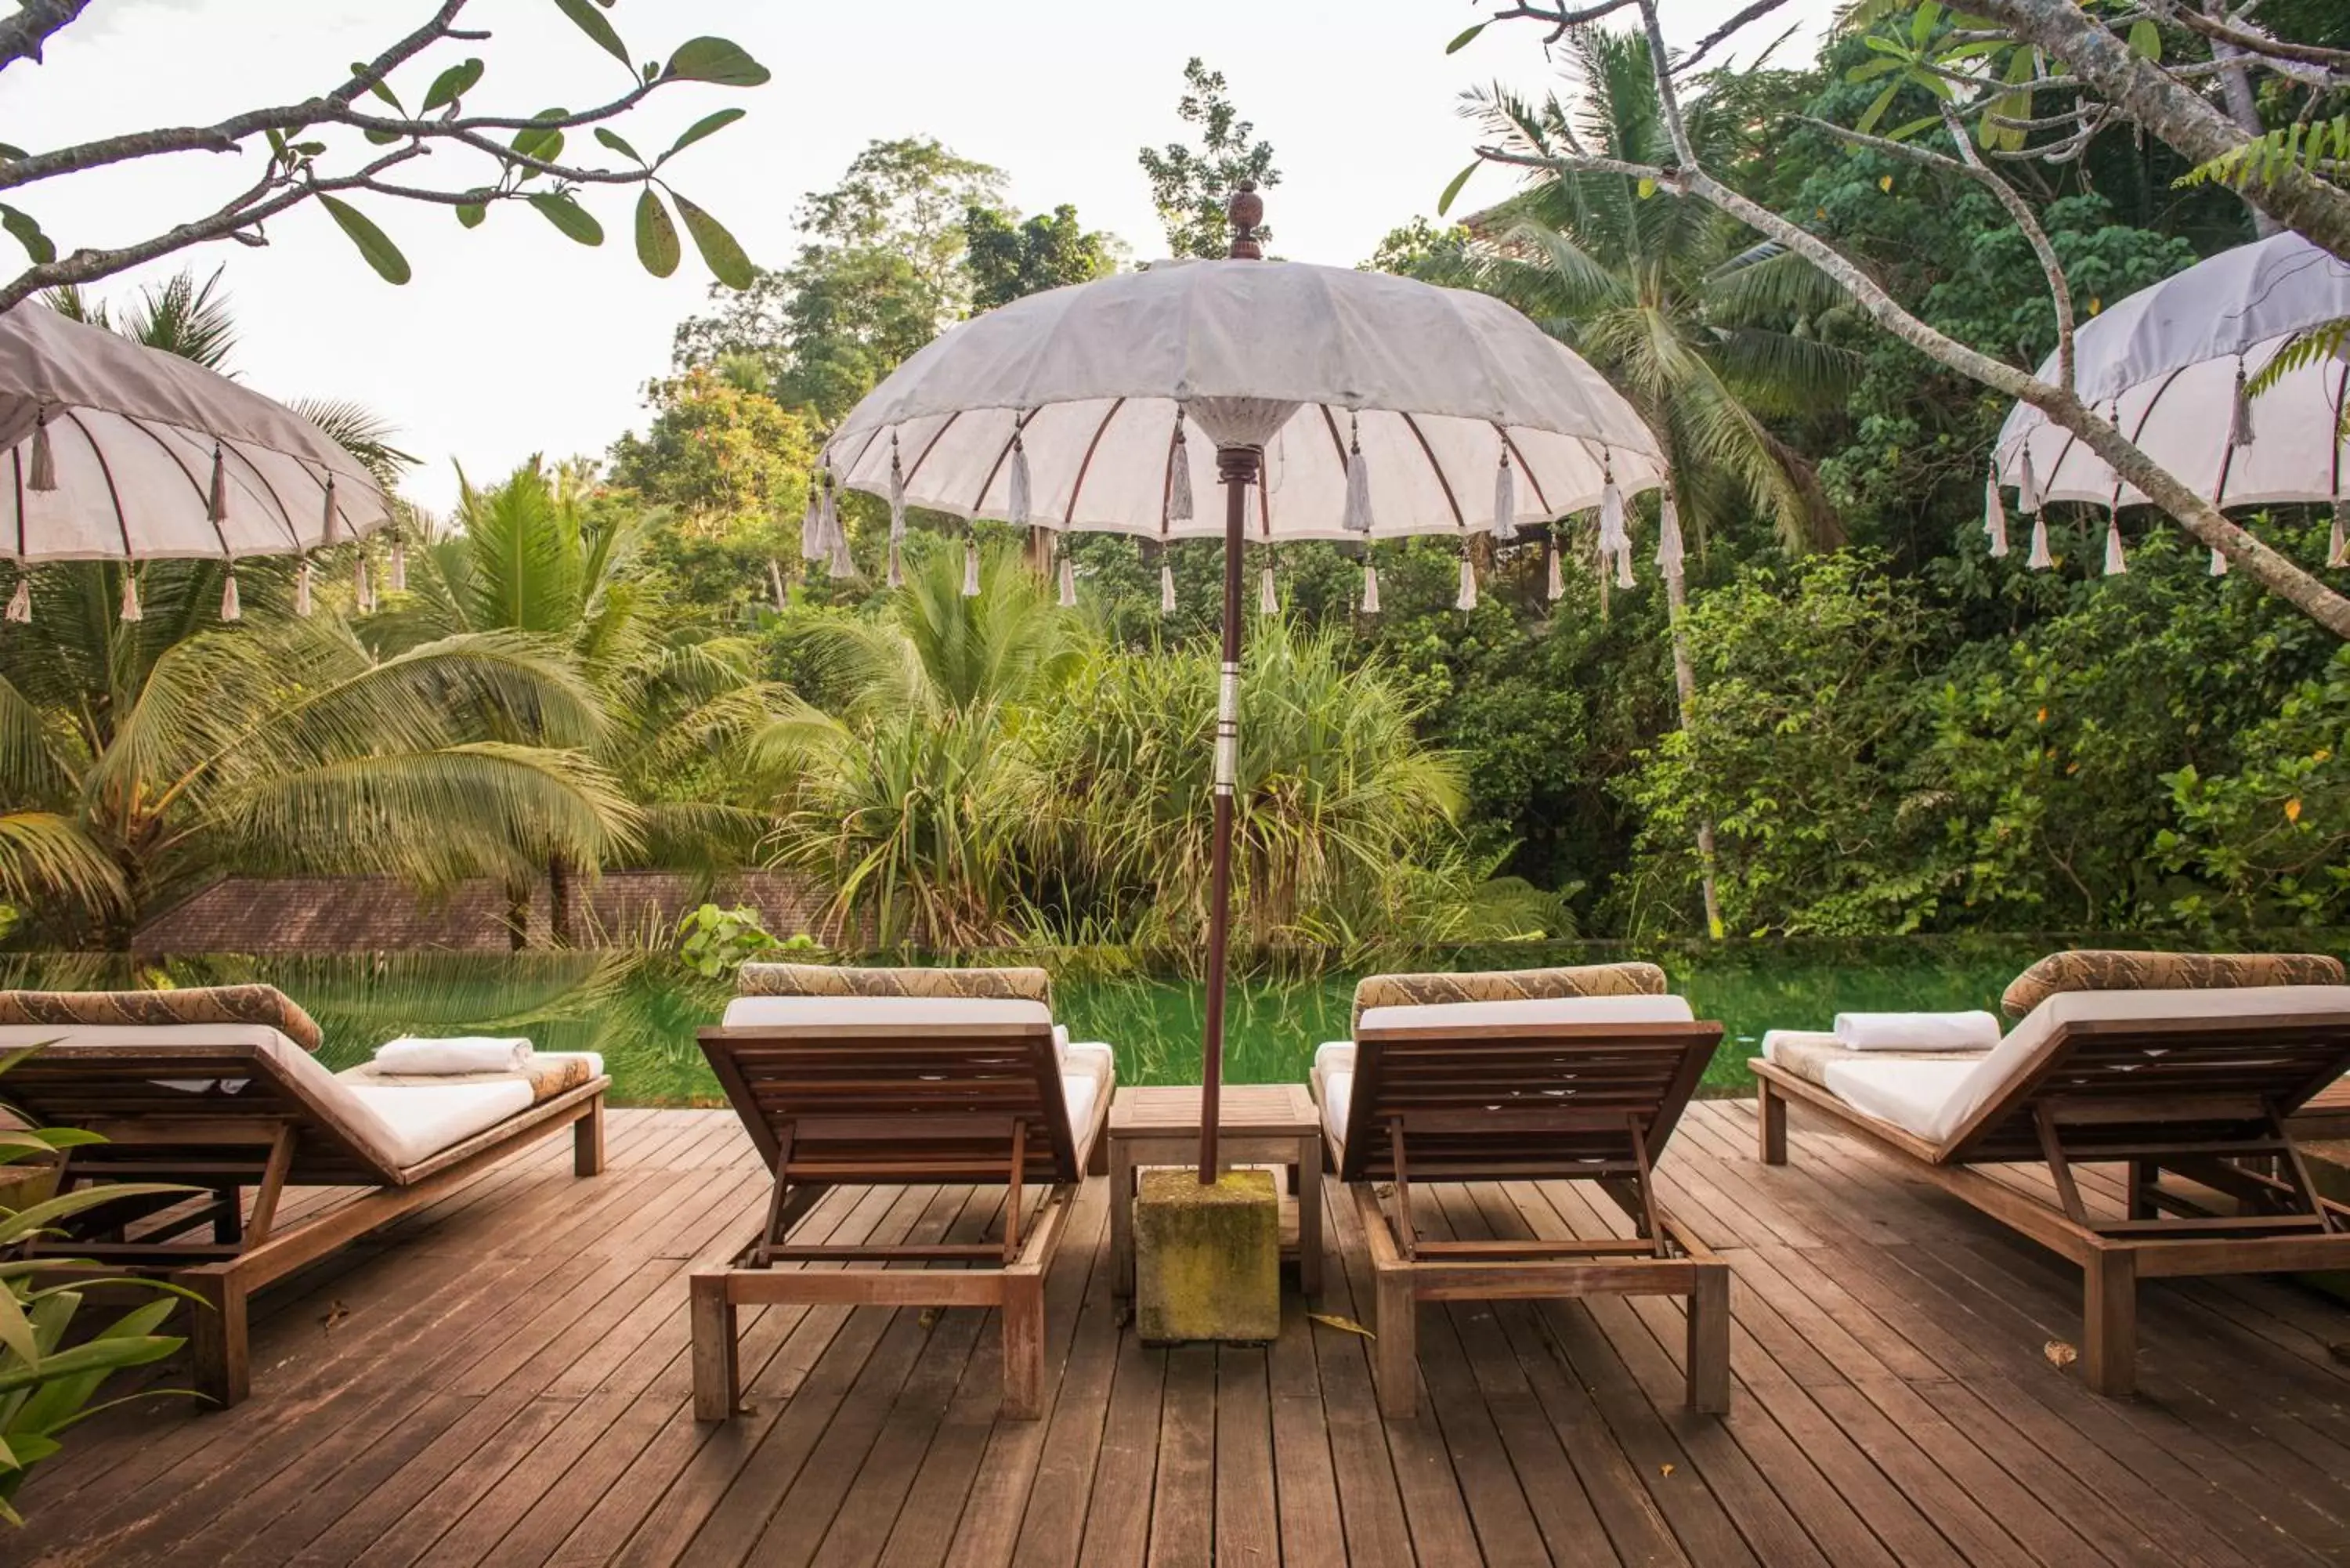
[918, 804]
[141, 758]
[532, 554]
[1670, 301]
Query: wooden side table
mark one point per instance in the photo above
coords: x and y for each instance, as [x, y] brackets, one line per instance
[1259, 1124]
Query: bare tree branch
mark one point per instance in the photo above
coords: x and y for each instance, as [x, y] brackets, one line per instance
[1754, 12]
[23, 34]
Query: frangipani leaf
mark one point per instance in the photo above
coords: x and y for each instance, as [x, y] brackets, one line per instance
[373, 242]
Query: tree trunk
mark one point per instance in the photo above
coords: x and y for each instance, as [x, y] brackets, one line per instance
[2236, 89]
[1685, 688]
[2171, 110]
[559, 901]
[517, 915]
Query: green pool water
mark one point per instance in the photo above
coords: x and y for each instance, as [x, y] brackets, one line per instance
[640, 1010]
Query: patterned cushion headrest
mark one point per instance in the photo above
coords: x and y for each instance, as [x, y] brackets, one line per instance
[1508, 985]
[263, 1004]
[2093, 970]
[825, 980]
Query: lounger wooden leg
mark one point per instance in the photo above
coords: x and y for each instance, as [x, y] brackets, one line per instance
[222, 1371]
[1395, 1353]
[1770, 1124]
[588, 1141]
[2109, 1321]
[1709, 1340]
[1023, 1348]
[711, 1317]
[2143, 1174]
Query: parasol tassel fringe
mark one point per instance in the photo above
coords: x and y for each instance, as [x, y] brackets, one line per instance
[1268, 601]
[2219, 563]
[362, 590]
[1611, 517]
[970, 569]
[1505, 499]
[1624, 579]
[1017, 502]
[1994, 514]
[130, 611]
[2337, 544]
[20, 603]
[1178, 476]
[2040, 560]
[839, 565]
[2240, 427]
[45, 461]
[2117, 563]
[897, 576]
[775, 583]
[302, 606]
[1671, 554]
[217, 499]
[897, 493]
[1358, 517]
[326, 512]
[1466, 598]
[2027, 489]
[1370, 588]
[400, 565]
[812, 523]
[1166, 587]
[1555, 589]
[1069, 583]
[232, 607]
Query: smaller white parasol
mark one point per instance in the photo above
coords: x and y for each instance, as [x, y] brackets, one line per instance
[111, 451]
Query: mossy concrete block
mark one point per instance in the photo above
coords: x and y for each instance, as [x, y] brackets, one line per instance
[1207, 1258]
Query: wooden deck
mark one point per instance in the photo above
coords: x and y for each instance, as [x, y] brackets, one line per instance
[504, 1379]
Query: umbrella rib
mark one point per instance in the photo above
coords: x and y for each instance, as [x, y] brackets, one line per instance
[1069, 514]
[936, 436]
[293, 530]
[194, 483]
[1436, 467]
[991, 468]
[106, 471]
[1524, 467]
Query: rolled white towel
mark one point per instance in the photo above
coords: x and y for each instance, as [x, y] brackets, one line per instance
[1916, 1030]
[464, 1054]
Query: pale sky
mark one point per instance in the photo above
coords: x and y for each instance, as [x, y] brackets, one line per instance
[512, 340]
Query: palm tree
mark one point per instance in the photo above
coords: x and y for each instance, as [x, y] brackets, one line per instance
[530, 555]
[141, 758]
[918, 803]
[1669, 300]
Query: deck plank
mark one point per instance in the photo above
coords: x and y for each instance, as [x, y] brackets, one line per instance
[505, 1378]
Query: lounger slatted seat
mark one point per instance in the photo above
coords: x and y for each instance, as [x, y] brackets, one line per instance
[901, 1077]
[1521, 1076]
[215, 1088]
[2187, 1088]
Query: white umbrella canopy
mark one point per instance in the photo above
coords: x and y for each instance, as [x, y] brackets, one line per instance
[2166, 364]
[111, 451]
[1328, 403]
[1436, 385]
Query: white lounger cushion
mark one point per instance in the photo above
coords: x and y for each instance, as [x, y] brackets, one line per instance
[397, 1126]
[1334, 1062]
[751, 1012]
[1935, 1099]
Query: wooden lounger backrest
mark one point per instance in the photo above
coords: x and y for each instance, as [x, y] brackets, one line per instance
[196, 1096]
[2111, 1082]
[1506, 1101]
[880, 1104]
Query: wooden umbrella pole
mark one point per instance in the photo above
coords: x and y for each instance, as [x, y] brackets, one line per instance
[1237, 467]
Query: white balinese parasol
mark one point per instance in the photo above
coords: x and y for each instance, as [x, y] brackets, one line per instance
[1331, 404]
[109, 451]
[2168, 365]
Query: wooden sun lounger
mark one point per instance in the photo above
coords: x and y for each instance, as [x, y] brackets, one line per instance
[2205, 1099]
[892, 1104]
[1527, 1102]
[239, 1121]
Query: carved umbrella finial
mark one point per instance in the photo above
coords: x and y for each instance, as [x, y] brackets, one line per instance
[1246, 211]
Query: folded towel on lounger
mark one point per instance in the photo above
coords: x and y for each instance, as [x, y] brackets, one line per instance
[469, 1054]
[1916, 1030]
